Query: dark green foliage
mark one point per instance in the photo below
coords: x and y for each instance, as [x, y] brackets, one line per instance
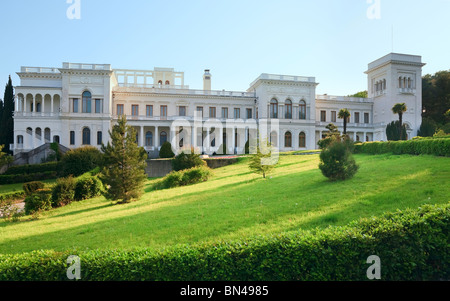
[411, 244]
[32, 187]
[393, 133]
[63, 193]
[88, 187]
[247, 147]
[78, 161]
[58, 154]
[4, 157]
[166, 151]
[34, 168]
[184, 177]
[123, 172]
[186, 161]
[6, 120]
[427, 128]
[336, 161]
[430, 146]
[40, 200]
[436, 96]
[12, 196]
[21, 178]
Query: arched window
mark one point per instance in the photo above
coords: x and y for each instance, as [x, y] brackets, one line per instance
[377, 86]
[20, 139]
[404, 82]
[273, 138]
[274, 108]
[38, 133]
[400, 82]
[288, 139]
[384, 84]
[288, 106]
[160, 83]
[409, 83]
[162, 138]
[86, 136]
[302, 140]
[56, 139]
[302, 109]
[149, 139]
[167, 82]
[38, 107]
[86, 103]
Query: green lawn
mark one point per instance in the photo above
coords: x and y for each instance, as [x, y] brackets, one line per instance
[236, 203]
[18, 186]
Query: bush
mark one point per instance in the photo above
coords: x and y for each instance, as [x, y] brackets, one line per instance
[412, 245]
[423, 146]
[185, 177]
[336, 161]
[393, 133]
[13, 196]
[427, 128]
[40, 200]
[87, 188]
[78, 161]
[63, 193]
[166, 151]
[185, 161]
[31, 187]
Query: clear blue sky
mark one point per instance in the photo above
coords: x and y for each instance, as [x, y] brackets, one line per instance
[332, 40]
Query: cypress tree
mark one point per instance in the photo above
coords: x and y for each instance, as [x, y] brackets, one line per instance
[7, 121]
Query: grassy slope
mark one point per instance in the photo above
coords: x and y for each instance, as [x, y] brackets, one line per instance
[237, 203]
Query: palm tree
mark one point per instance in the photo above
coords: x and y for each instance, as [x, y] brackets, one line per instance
[400, 108]
[344, 114]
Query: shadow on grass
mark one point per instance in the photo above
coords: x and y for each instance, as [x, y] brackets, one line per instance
[208, 214]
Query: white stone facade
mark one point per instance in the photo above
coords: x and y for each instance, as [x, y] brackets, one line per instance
[77, 105]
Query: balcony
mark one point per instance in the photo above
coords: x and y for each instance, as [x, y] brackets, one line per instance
[406, 91]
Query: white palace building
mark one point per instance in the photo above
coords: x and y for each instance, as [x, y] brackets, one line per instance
[77, 105]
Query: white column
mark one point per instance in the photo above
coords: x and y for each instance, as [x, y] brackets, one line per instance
[193, 133]
[156, 137]
[234, 140]
[208, 143]
[51, 105]
[354, 136]
[141, 136]
[34, 104]
[364, 138]
[33, 133]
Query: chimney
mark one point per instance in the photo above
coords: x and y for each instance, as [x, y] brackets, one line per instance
[207, 80]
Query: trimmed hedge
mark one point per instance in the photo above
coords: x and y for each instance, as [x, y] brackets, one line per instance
[411, 245]
[437, 147]
[40, 200]
[12, 196]
[32, 169]
[21, 178]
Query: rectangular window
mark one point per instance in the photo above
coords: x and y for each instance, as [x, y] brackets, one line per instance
[163, 111]
[87, 105]
[120, 110]
[237, 113]
[149, 111]
[98, 106]
[333, 116]
[134, 110]
[200, 112]
[225, 113]
[212, 112]
[356, 117]
[366, 117]
[75, 105]
[72, 138]
[182, 111]
[249, 114]
[99, 138]
[323, 116]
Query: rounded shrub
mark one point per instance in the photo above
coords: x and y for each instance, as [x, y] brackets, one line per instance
[31, 187]
[166, 151]
[187, 160]
[87, 188]
[81, 160]
[337, 163]
[63, 192]
[40, 200]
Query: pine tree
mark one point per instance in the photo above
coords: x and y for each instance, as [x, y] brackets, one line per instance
[7, 121]
[263, 160]
[124, 164]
